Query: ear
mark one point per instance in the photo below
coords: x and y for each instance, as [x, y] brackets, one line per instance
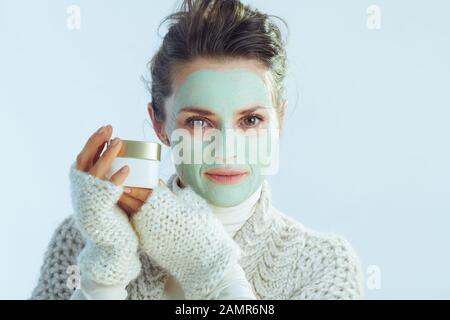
[158, 126]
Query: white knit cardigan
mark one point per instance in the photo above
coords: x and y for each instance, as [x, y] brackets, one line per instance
[281, 258]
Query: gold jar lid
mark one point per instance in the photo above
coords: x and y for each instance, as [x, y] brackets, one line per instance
[140, 149]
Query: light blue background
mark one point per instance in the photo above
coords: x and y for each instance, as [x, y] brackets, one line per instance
[365, 152]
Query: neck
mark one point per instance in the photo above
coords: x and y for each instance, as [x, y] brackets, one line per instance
[233, 217]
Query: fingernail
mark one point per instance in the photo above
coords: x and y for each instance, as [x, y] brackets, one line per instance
[101, 130]
[125, 169]
[115, 142]
[127, 190]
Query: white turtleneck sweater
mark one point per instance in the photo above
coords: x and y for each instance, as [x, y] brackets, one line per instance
[234, 285]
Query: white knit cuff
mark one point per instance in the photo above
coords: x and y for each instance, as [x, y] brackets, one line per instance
[93, 290]
[182, 235]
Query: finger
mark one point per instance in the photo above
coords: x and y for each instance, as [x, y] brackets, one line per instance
[103, 165]
[125, 208]
[133, 204]
[119, 177]
[138, 193]
[85, 159]
[99, 152]
[87, 154]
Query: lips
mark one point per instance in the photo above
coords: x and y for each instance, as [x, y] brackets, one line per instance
[226, 176]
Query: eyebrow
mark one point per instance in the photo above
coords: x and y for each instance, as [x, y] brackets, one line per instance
[205, 112]
[247, 111]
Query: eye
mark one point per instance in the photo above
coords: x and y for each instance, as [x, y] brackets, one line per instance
[196, 122]
[252, 121]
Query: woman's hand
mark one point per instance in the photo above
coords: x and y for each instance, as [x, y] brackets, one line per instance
[110, 256]
[91, 160]
[133, 199]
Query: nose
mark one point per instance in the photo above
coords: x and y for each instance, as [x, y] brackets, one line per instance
[229, 147]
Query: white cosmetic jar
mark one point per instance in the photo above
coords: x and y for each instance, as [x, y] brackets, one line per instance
[143, 159]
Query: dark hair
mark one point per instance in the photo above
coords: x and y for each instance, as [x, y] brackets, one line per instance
[217, 29]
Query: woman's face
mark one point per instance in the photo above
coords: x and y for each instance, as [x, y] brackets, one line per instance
[223, 128]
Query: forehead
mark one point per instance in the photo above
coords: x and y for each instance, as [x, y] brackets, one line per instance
[221, 72]
[222, 90]
[222, 85]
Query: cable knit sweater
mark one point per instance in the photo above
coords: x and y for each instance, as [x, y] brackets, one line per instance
[281, 258]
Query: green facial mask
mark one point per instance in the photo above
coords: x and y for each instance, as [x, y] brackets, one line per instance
[224, 93]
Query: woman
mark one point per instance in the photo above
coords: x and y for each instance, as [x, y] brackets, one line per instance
[211, 232]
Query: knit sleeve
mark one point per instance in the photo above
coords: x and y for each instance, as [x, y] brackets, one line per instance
[328, 269]
[55, 272]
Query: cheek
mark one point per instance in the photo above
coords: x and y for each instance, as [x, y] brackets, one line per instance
[191, 175]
